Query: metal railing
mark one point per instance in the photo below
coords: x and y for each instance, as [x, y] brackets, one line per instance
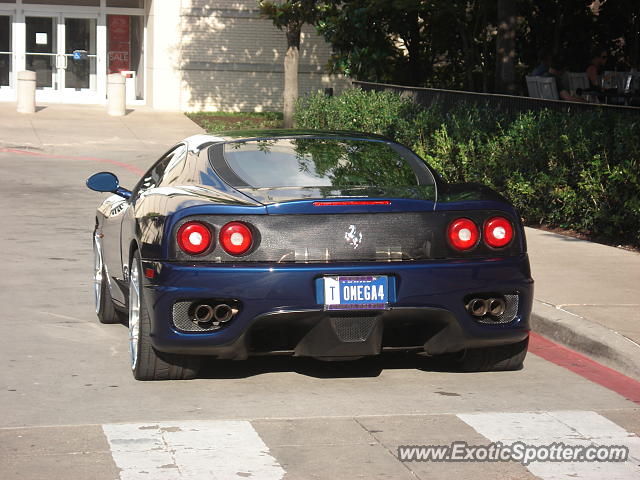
[508, 104]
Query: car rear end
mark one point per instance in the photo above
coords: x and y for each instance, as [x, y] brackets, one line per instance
[343, 269]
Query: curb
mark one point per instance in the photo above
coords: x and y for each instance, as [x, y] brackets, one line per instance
[589, 338]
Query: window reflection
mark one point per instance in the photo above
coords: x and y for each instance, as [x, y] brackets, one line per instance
[124, 50]
[312, 162]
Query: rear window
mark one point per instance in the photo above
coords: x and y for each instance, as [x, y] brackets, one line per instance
[318, 162]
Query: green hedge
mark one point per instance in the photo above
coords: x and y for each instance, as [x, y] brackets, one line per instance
[579, 171]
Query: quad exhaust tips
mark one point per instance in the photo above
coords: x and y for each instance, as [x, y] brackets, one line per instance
[223, 312]
[219, 313]
[479, 307]
[496, 306]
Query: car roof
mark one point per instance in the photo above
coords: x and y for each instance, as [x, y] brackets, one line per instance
[197, 142]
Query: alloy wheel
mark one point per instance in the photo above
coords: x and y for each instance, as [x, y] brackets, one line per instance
[134, 313]
[97, 274]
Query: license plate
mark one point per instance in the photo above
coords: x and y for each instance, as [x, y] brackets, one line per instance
[356, 293]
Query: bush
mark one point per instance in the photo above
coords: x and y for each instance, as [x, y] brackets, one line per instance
[222, 121]
[579, 171]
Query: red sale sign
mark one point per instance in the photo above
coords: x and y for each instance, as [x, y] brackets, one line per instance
[119, 44]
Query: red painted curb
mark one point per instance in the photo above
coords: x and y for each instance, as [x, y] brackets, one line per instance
[126, 166]
[585, 367]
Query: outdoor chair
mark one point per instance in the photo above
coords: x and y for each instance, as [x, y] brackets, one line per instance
[548, 88]
[578, 80]
[611, 79]
[635, 81]
[629, 81]
[532, 86]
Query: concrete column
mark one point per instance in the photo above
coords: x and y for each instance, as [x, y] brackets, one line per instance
[116, 95]
[164, 36]
[26, 92]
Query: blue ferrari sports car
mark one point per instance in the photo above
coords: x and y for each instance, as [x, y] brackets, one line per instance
[332, 245]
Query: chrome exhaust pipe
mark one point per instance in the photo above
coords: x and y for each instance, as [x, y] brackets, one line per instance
[496, 307]
[223, 312]
[203, 313]
[477, 307]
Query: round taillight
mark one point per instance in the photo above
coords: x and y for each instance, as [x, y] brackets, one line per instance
[194, 238]
[236, 238]
[498, 232]
[463, 234]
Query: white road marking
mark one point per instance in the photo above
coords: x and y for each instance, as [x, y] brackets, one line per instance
[190, 450]
[569, 427]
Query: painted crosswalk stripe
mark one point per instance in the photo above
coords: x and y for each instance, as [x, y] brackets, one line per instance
[190, 450]
[569, 427]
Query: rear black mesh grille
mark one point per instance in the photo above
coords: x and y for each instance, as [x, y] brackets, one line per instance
[352, 328]
[381, 237]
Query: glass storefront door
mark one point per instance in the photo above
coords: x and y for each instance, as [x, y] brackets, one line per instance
[6, 52]
[72, 46]
[61, 49]
[41, 49]
[80, 59]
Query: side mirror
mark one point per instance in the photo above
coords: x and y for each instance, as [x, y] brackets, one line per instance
[107, 182]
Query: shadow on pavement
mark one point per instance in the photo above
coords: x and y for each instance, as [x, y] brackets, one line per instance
[361, 368]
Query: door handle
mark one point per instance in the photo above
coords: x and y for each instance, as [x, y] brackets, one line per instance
[61, 61]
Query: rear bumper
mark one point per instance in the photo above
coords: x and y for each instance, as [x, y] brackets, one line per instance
[279, 309]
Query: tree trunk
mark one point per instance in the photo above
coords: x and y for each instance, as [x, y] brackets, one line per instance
[506, 47]
[468, 56]
[463, 23]
[291, 61]
[416, 69]
[635, 42]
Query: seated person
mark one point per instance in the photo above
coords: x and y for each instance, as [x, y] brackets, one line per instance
[596, 66]
[557, 70]
[544, 59]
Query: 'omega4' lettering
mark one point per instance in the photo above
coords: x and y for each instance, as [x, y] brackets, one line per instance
[363, 292]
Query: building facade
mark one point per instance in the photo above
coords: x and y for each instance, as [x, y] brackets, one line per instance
[177, 55]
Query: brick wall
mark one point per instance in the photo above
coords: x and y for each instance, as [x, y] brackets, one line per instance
[232, 60]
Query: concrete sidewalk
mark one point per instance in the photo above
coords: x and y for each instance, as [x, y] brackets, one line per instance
[87, 129]
[587, 295]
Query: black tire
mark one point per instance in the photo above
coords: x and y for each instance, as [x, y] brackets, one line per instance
[108, 313]
[500, 358]
[105, 309]
[151, 364]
